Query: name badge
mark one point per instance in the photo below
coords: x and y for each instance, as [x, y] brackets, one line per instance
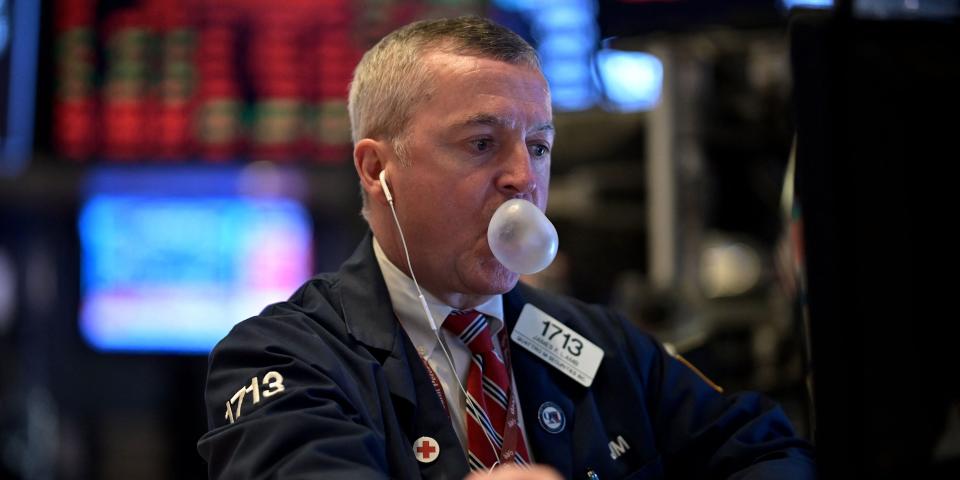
[557, 344]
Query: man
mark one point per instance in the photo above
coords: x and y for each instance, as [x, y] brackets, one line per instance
[350, 379]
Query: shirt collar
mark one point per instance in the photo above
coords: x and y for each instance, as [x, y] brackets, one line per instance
[406, 304]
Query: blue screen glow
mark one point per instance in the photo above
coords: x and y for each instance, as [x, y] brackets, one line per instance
[631, 80]
[788, 4]
[19, 37]
[174, 274]
[566, 35]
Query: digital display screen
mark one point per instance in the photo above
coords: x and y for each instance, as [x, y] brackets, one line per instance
[173, 272]
[788, 4]
[19, 30]
[632, 81]
[212, 81]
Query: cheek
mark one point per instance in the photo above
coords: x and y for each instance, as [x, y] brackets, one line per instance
[545, 175]
[543, 189]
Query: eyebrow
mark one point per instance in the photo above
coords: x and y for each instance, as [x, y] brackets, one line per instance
[493, 120]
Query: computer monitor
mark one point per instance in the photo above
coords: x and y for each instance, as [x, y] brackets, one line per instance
[172, 259]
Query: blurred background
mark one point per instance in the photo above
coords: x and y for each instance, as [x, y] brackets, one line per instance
[170, 167]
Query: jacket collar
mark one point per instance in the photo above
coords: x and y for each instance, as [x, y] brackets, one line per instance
[369, 318]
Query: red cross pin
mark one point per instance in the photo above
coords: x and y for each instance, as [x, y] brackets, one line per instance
[426, 449]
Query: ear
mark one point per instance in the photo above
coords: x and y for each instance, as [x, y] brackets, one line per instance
[370, 157]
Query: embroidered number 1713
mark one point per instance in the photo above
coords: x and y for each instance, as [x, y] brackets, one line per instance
[273, 384]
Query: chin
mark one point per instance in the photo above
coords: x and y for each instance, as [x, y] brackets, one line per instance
[485, 275]
[491, 278]
[501, 280]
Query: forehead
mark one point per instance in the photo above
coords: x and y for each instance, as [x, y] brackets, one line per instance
[483, 90]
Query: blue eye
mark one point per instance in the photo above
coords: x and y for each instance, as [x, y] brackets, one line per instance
[539, 150]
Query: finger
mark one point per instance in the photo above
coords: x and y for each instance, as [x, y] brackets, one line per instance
[511, 472]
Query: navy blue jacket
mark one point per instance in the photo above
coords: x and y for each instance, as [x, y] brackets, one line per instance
[341, 393]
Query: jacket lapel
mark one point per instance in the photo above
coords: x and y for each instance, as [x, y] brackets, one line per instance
[434, 422]
[369, 317]
[538, 384]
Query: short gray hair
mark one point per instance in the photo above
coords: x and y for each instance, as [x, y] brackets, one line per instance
[391, 79]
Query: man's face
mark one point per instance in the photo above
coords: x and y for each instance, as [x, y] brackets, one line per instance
[484, 136]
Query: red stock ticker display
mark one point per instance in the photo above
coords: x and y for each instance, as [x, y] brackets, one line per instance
[214, 80]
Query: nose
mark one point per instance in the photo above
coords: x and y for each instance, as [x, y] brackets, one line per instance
[518, 178]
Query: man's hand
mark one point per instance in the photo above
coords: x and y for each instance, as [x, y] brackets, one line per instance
[512, 472]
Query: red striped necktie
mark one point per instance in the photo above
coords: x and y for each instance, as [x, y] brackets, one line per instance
[493, 434]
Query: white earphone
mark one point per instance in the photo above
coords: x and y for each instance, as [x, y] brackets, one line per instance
[383, 185]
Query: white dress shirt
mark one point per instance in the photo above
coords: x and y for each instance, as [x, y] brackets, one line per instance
[406, 304]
